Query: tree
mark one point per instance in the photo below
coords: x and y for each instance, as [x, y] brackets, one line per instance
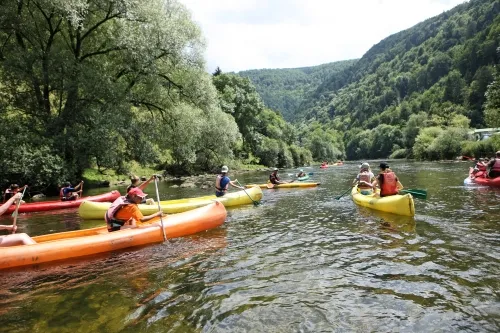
[492, 104]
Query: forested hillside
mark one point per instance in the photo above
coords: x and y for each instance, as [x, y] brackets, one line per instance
[285, 89]
[417, 92]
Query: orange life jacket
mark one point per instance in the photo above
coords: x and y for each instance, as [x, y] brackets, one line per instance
[389, 184]
[364, 176]
[114, 208]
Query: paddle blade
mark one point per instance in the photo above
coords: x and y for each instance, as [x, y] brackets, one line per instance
[270, 185]
[418, 195]
[311, 173]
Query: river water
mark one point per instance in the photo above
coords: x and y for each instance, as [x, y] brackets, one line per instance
[300, 262]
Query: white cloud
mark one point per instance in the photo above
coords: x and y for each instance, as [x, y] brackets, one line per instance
[251, 34]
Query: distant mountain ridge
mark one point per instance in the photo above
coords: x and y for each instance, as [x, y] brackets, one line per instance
[285, 89]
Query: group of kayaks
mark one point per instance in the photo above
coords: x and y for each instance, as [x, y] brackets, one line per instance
[185, 217]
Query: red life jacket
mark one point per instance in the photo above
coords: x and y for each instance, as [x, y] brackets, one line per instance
[364, 176]
[496, 166]
[217, 184]
[115, 207]
[389, 184]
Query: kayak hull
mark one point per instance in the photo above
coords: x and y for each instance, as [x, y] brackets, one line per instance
[57, 204]
[79, 243]
[395, 204]
[289, 185]
[95, 210]
[483, 181]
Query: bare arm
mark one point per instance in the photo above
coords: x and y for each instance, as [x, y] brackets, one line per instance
[152, 216]
[146, 183]
[9, 202]
[233, 184]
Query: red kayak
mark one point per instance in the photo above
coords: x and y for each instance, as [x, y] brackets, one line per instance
[57, 204]
[480, 179]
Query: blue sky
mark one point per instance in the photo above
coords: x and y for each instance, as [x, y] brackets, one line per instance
[253, 34]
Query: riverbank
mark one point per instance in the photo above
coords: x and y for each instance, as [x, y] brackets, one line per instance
[94, 178]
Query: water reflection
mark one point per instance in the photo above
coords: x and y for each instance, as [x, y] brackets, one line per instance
[302, 261]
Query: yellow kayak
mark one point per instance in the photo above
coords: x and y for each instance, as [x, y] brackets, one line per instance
[95, 210]
[395, 204]
[289, 185]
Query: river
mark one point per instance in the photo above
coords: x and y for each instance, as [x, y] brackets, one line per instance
[300, 262]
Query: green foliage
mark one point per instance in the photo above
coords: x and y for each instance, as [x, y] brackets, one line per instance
[433, 74]
[492, 106]
[285, 89]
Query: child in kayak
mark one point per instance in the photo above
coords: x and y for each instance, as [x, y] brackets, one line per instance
[17, 239]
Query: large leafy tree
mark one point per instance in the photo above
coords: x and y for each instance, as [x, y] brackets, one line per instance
[76, 75]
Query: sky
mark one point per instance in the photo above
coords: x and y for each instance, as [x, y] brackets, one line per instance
[255, 34]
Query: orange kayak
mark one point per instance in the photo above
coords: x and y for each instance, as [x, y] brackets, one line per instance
[79, 243]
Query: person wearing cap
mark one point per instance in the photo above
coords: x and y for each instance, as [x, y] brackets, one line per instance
[365, 179]
[69, 193]
[222, 182]
[275, 179]
[301, 173]
[124, 212]
[135, 182]
[387, 181]
[11, 191]
[493, 166]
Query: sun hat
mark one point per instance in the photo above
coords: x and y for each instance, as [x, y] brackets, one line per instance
[275, 169]
[365, 166]
[224, 169]
[134, 177]
[138, 192]
[301, 170]
[384, 166]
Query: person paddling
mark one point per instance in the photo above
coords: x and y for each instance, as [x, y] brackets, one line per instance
[493, 166]
[387, 181]
[275, 179]
[16, 239]
[301, 173]
[125, 214]
[135, 183]
[365, 179]
[222, 182]
[12, 190]
[69, 193]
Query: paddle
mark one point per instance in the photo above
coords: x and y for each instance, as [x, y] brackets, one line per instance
[159, 209]
[346, 191]
[255, 203]
[81, 188]
[270, 185]
[15, 212]
[420, 194]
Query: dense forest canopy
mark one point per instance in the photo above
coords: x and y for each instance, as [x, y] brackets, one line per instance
[101, 83]
[441, 73]
[284, 90]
